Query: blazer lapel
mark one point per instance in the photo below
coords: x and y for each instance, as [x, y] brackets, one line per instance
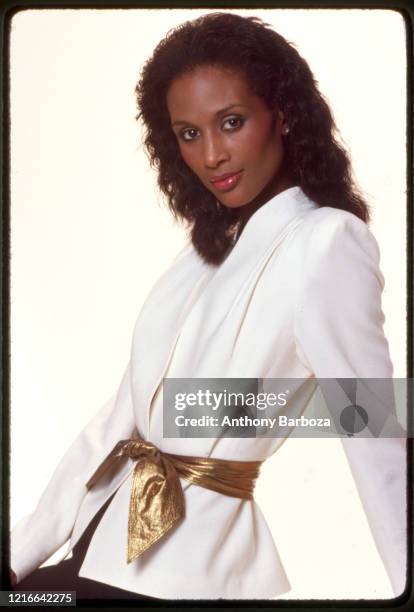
[192, 300]
[158, 327]
[215, 310]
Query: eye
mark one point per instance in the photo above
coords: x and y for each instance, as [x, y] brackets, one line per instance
[233, 123]
[188, 134]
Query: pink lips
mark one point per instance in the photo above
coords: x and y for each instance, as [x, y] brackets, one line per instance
[227, 181]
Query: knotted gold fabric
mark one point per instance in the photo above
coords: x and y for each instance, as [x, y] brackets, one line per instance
[157, 500]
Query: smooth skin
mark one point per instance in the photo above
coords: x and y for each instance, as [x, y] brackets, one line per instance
[223, 127]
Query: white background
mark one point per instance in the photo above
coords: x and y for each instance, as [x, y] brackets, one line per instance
[90, 236]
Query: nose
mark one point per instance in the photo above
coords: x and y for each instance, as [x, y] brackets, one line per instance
[215, 151]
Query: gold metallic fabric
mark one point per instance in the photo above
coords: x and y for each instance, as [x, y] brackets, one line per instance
[157, 500]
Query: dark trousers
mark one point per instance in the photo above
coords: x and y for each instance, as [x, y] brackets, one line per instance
[64, 575]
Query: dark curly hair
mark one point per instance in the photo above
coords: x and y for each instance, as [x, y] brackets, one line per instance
[316, 160]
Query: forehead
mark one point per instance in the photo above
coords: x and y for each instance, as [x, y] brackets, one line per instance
[206, 90]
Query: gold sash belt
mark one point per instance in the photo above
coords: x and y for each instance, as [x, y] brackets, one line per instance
[157, 500]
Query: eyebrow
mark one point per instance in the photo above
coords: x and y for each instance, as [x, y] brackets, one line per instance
[219, 112]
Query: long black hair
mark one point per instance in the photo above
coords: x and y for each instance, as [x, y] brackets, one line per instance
[316, 160]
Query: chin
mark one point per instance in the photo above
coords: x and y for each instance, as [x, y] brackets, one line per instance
[233, 202]
[231, 205]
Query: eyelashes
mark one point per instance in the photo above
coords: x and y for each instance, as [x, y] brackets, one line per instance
[230, 124]
[238, 120]
[188, 134]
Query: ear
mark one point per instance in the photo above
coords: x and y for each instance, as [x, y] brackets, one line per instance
[279, 121]
[282, 123]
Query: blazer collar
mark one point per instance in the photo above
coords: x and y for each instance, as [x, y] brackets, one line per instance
[273, 216]
[263, 230]
[215, 305]
[205, 331]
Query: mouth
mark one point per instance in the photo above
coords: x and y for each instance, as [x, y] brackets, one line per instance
[227, 181]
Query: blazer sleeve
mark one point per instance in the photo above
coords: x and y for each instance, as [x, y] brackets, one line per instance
[37, 536]
[339, 334]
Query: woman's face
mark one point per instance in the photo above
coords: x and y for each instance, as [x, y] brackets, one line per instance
[227, 135]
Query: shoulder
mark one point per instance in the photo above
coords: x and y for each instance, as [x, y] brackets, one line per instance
[334, 222]
[338, 315]
[183, 263]
[334, 237]
[182, 272]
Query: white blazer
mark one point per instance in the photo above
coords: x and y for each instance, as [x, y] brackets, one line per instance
[299, 296]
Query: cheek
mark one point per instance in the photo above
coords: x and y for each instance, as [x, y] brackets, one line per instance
[185, 156]
[263, 147]
[190, 157]
[266, 144]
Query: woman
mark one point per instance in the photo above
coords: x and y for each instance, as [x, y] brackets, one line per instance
[246, 155]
